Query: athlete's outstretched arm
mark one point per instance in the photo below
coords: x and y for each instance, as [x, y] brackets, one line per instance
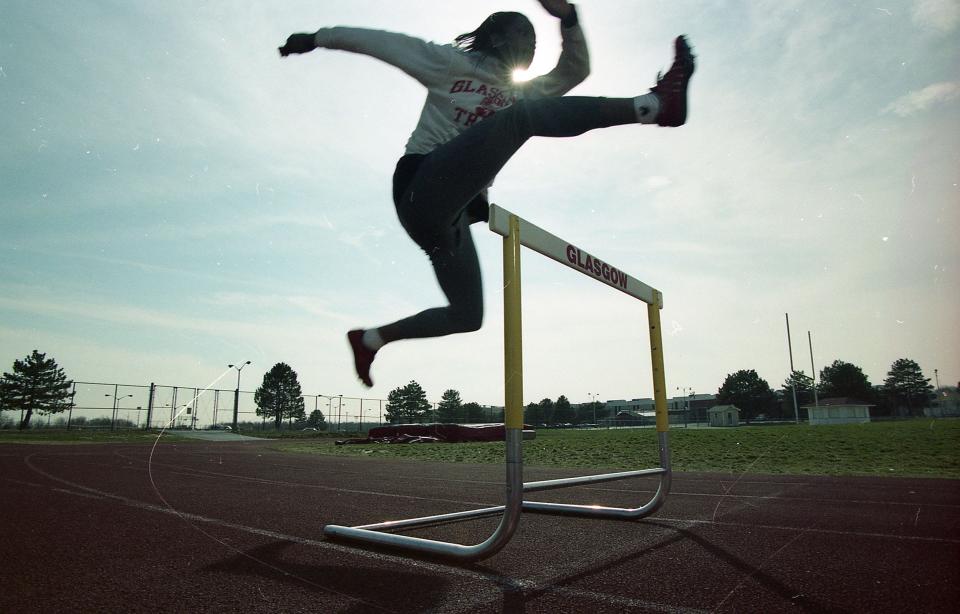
[560, 9]
[424, 61]
[573, 65]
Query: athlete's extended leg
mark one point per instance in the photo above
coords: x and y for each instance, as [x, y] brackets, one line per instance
[457, 268]
[454, 173]
[458, 273]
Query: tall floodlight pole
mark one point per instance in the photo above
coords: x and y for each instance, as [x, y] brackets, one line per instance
[236, 396]
[116, 405]
[793, 383]
[936, 376]
[813, 372]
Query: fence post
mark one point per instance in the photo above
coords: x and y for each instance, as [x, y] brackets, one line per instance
[236, 405]
[113, 418]
[73, 401]
[153, 386]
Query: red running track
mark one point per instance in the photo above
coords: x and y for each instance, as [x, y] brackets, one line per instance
[237, 527]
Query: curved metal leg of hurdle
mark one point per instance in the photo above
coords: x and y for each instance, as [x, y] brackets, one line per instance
[516, 232]
[660, 401]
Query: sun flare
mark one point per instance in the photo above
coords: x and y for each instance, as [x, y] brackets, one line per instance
[520, 74]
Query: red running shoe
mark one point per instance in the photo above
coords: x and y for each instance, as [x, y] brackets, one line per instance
[362, 356]
[671, 88]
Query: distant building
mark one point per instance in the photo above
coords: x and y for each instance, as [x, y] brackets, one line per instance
[838, 410]
[695, 405]
[694, 402]
[615, 406]
[724, 415]
[946, 403]
[634, 418]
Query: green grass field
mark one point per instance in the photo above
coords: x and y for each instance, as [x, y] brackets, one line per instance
[55, 436]
[902, 448]
[921, 447]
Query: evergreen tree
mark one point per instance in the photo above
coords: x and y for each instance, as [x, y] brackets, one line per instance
[563, 412]
[586, 411]
[317, 420]
[907, 387]
[473, 413]
[546, 411]
[749, 392]
[843, 379]
[279, 396]
[449, 408]
[407, 404]
[37, 384]
[532, 414]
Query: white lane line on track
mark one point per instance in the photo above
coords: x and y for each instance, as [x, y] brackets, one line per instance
[489, 504]
[78, 494]
[34, 484]
[501, 583]
[759, 568]
[576, 569]
[768, 527]
[400, 560]
[673, 493]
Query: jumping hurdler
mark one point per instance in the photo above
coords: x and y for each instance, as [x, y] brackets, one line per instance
[474, 119]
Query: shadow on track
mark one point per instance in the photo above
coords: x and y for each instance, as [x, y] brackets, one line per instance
[366, 588]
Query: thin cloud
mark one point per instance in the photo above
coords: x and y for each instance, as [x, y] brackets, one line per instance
[918, 101]
[942, 15]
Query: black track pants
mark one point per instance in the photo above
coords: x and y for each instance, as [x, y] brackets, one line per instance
[438, 196]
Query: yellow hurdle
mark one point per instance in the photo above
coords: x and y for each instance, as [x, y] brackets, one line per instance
[516, 232]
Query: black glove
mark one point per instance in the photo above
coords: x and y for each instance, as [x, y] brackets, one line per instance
[298, 43]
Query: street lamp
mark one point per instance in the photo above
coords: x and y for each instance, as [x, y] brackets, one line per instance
[687, 393]
[116, 403]
[236, 397]
[593, 398]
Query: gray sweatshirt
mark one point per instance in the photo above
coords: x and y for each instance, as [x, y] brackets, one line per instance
[462, 87]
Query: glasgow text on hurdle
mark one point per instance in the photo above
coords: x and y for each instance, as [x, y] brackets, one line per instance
[596, 267]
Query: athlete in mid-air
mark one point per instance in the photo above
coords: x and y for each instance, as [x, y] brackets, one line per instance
[474, 119]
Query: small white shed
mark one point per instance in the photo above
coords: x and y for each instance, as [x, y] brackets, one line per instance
[840, 410]
[724, 415]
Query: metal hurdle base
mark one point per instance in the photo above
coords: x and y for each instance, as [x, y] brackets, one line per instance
[380, 533]
[516, 232]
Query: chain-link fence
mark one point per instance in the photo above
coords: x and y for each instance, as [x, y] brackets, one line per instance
[100, 405]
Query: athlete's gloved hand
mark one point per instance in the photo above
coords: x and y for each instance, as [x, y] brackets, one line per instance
[298, 43]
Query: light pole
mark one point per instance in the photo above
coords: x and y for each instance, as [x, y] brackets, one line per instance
[116, 404]
[328, 418]
[593, 399]
[687, 395]
[793, 383]
[813, 372]
[236, 396]
[339, 410]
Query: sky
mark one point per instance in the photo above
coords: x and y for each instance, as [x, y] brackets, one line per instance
[175, 197]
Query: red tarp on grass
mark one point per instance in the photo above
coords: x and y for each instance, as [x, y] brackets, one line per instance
[432, 433]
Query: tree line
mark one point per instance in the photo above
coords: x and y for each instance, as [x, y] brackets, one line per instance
[409, 404]
[904, 392]
[38, 385]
